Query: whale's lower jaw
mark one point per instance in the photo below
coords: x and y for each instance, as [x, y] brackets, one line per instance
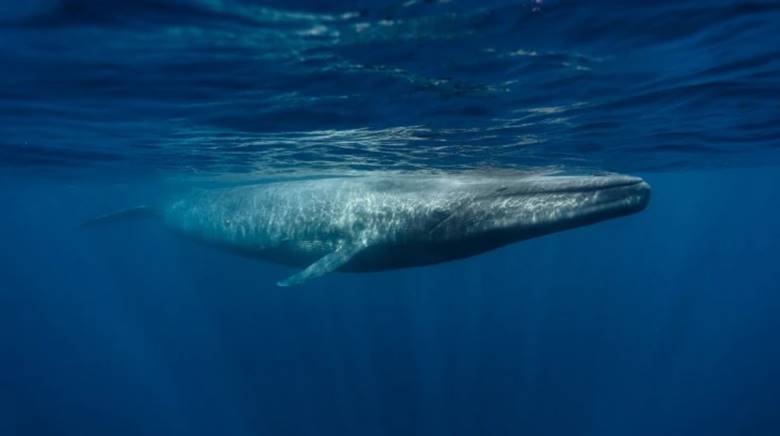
[411, 255]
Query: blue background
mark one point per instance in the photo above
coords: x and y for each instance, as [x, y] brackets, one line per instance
[664, 322]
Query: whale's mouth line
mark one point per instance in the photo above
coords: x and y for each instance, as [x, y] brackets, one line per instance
[628, 199]
[586, 188]
[618, 186]
[627, 183]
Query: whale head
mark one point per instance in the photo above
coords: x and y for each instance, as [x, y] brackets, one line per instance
[510, 209]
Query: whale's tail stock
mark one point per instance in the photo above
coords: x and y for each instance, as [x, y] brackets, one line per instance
[133, 213]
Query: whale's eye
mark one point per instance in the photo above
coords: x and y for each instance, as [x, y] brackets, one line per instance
[502, 188]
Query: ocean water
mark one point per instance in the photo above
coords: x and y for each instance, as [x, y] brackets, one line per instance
[660, 323]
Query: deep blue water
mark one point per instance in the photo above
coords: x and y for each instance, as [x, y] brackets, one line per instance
[661, 323]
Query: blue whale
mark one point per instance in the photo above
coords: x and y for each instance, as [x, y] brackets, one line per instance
[388, 221]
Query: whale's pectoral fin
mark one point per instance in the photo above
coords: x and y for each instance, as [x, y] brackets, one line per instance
[330, 262]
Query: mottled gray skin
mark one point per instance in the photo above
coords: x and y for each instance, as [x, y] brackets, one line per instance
[384, 222]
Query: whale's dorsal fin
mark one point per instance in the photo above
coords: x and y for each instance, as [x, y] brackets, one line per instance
[328, 263]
